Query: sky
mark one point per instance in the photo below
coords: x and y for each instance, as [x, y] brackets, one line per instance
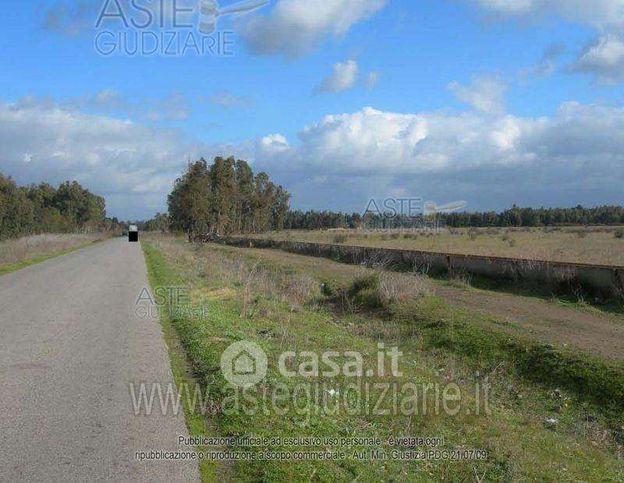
[493, 102]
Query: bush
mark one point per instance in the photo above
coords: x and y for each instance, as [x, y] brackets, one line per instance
[619, 233]
[328, 288]
[380, 291]
[365, 282]
[340, 238]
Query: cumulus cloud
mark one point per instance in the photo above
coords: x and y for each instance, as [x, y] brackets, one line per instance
[485, 94]
[575, 155]
[294, 27]
[343, 77]
[491, 160]
[274, 143]
[605, 58]
[133, 166]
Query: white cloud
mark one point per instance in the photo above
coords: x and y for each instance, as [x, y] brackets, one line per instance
[172, 107]
[274, 143]
[229, 100]
[294, 27]
[73, 17]
[600, 13]
[133, 166]
[485, 94]
[343, 77]
[573, 156]
[548, 64]
[605, 58]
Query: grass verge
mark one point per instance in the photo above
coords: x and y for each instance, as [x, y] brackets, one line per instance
[281, 310]
[13, 267]
[161, 275]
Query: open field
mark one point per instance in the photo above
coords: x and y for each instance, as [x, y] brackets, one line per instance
[594, 245]
[554, 413]
[553, 320]
[15, 254]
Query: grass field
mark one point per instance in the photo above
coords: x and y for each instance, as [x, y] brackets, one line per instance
[552, 414]
[599, 245]
[22, 252]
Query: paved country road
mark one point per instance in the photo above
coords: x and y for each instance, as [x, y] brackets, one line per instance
[70, 345]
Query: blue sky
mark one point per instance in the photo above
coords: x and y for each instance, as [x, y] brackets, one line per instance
[487, 101]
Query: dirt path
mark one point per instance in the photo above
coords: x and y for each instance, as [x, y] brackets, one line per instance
[593, 332]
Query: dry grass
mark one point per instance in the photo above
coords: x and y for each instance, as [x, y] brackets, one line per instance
[396, 288]
[599, 245]
[296, 289]
[27, 248]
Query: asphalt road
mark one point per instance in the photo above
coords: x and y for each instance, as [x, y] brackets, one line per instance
[70, 346]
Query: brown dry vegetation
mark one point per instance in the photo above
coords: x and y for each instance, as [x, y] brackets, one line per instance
[28, 248]
[598, 245]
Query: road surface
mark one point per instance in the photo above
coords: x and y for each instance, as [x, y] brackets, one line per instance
[70, 346]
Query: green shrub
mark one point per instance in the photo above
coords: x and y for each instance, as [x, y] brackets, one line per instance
[329, 288]
[369, 298]
[365, 282]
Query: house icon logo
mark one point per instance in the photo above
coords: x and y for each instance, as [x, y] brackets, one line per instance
[244, 364]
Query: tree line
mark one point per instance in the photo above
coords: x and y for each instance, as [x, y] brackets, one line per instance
[512, 217]
[225, 197]
[34, 209]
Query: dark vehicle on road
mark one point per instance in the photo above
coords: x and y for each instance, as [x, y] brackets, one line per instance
[133, 233]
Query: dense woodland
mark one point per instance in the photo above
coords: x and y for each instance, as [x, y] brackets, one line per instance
[34, 209]
[226, 197]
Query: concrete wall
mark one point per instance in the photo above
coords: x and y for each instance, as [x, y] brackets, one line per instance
[599, 280]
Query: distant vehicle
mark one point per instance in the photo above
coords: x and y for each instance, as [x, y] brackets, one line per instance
[133, 233]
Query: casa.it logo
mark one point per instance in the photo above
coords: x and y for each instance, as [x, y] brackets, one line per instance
[244, 364]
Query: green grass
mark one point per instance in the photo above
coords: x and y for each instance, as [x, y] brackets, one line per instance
[439, 345]
[13, 267]
[161, 275]
[588, 378]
